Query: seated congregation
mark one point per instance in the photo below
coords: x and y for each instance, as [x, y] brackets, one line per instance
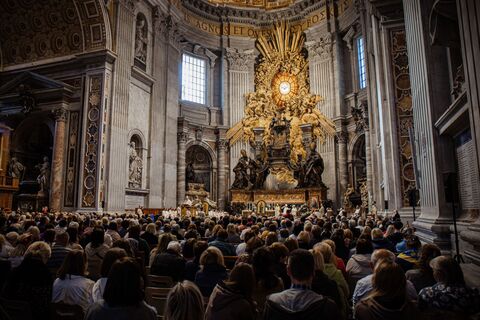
[127, 266]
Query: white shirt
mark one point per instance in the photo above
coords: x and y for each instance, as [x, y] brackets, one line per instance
[76, 290]
[98, 289]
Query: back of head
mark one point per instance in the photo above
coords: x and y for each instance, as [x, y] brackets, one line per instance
[377, 234]
[212, 256]
[242, 279]
[326, 252]
[184, 302]
[301, 265]
[428, 252]
[174, 246]
[62, 238]
[38, 250]
[382, 255]
[98, 237]
[198, 248]
[124, 285]
[262, 262]
[413, 243]
[319, 261]
[74, 264]
[364, 246]
[398, 225]
[110, 258]
[388, 280]
[446, 270]
[279, 250]
[163, 242]
[222, 235]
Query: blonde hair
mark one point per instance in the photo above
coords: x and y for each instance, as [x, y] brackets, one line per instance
[331, 244]
[326, 252]
[184, 302]
[39, 249]
[390, 230]
[212, 255]
[377, 233]
[304, 236]
[151, 228]
[318, 258]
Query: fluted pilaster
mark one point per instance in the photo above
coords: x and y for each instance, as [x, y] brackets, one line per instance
[117, 169]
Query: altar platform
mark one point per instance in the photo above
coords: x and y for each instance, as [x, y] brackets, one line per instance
[292, 196]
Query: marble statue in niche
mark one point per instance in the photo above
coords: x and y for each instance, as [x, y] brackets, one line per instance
[135, 168]
[141, 39]
[16, 169]
[43, 177]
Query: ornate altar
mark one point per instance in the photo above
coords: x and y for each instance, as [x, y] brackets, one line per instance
[283, 125]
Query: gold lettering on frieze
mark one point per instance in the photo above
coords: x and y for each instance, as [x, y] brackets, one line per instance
[245, 30]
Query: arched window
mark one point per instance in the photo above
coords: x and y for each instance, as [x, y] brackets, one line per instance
[141, 41]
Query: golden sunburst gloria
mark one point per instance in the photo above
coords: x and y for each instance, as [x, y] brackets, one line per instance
[284, 87]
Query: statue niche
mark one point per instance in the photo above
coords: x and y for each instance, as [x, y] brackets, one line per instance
[141, 40]
[135, 164]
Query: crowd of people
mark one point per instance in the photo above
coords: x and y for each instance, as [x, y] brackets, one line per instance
[313, 266]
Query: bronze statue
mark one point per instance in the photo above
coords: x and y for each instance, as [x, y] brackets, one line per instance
[190, 173]
[299, 172]
[314, 167]
[258, 172]
[241, 172]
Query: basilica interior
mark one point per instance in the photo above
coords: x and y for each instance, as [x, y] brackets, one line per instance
[372, 105]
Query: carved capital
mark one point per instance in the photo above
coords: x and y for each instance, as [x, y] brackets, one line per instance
[341, 137]
[128, 4]
[222, 144]
[240, 60]
[60, 114]
[182, 137]
[320, 49]
[167, 27]
[360, 115]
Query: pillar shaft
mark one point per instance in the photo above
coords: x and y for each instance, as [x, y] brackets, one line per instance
[58, 163]
[181, 166]
[222, 146]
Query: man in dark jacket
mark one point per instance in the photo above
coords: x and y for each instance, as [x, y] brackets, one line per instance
[300, 302]
[379, 242]
[169, 263]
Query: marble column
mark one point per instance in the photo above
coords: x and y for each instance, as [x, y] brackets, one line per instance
[222, 146]
[181, 166]
[58, 161]
[342, 140]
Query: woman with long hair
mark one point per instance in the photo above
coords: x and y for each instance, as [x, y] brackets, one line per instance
[162, 245]
[232, 299]
[71, 286]
[123, 296]
[212, 270]
[423, 276]
[184, 302]
[388, 299]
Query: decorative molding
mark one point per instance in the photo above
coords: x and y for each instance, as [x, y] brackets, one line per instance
[239, 60]
[92, 133]
[320, 49]
[404, 111]
[71, 164]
